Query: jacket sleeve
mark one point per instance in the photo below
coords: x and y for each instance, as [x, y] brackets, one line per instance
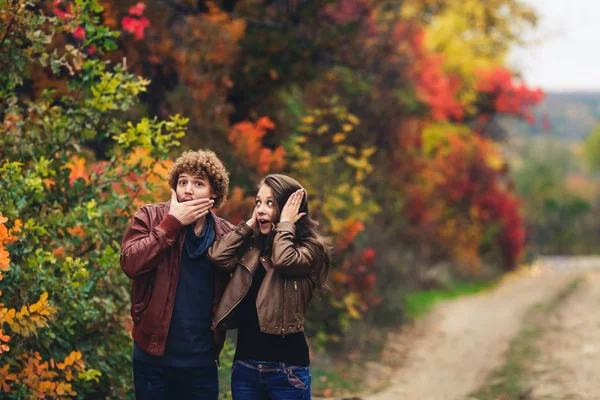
[289, 258]
[224, 252]
[142, 247]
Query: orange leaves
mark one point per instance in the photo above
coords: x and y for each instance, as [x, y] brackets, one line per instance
[238, 206]
[78, 169]
[42, 380]
[246, 137]
[7, 236]
[5, 378]
[347, 232]
[3, 340]
[232, 29]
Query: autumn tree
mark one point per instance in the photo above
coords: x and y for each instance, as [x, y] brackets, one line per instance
[65, 301]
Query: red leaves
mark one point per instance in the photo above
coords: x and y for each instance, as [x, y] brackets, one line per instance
[64, 14]
[137, 10]
[437, 89]
[458, 194]
[79, 33]
[135, 23]
[135, 26]
[509, 97]
[433, 86]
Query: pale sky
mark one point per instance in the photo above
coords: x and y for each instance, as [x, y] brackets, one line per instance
[567, 54]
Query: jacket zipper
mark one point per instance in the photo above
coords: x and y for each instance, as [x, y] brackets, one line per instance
[296, 290]
[283, 308]
[236, 304]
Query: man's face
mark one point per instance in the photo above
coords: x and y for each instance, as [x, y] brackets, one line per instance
[193, 187]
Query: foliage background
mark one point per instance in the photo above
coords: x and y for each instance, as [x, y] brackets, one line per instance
[397, 116]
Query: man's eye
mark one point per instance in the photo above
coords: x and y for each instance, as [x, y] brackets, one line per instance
[200, 183]
[182, 183]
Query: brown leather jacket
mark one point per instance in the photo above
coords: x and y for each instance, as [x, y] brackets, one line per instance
[151, 256]
[287, 287]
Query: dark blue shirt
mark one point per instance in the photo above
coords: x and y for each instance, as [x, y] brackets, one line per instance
[190, 340]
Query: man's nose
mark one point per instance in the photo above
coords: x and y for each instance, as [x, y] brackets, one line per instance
[188, 188]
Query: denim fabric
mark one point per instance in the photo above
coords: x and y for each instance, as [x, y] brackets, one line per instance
[257, 380]
[159, 382]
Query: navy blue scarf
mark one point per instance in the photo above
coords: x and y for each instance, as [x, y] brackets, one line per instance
[197, 246]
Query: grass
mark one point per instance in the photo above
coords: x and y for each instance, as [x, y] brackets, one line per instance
[508, 381]
[419, 303]
[326, 382]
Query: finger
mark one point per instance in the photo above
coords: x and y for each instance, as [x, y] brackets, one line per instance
[174, 197]
[201, 214]
[200, 202]
[202, 207]
[301, 215]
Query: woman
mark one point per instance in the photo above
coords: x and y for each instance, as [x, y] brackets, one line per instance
[277, 259]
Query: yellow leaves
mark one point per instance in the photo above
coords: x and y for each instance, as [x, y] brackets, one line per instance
[350, 301]
[308, 119]
[29, 318]
[72, 359]
[323, 129]
[347, 127]
[338, 137]
[494, 160]
[353, 119]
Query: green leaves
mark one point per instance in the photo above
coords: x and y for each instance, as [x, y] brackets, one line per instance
[75, 206]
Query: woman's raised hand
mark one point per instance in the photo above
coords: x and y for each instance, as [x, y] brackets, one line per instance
[292, 206]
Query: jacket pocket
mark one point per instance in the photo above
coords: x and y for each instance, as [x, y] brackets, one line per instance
[140, 296]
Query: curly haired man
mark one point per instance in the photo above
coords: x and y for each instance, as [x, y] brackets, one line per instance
[175, 287]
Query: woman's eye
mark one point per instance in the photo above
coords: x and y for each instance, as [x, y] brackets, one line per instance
[257, 203]
[269, 203]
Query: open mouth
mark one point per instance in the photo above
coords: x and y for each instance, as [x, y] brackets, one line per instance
[264, 223]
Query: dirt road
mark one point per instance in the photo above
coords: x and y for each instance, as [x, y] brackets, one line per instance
[568, 365]
[466, 339]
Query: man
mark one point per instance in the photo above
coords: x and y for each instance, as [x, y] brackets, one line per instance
[175, 287]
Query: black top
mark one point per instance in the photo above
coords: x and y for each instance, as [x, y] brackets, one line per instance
[252, 344]
[190, 340]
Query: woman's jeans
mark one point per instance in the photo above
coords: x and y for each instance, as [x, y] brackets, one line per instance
[157, 382]
[258, 380]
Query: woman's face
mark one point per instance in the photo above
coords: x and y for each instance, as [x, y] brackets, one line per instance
[266, 209]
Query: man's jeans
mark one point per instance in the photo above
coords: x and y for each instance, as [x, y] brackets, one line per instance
[257, 380]
[157, 382]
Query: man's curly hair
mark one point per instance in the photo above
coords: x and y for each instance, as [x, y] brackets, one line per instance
[206, 164]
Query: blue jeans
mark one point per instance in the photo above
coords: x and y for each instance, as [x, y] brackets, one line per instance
[157, 382]
[257, 380]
